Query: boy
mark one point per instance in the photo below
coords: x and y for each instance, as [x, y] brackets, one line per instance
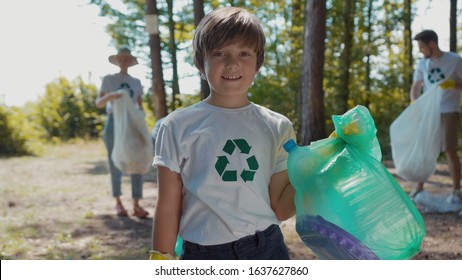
[222, 171]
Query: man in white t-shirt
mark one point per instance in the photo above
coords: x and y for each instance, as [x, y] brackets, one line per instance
[445, 69]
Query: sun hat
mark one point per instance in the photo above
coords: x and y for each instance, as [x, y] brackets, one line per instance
[123, 51]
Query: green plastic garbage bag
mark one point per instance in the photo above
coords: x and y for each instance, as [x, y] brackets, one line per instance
[178, 246]
[348, 206]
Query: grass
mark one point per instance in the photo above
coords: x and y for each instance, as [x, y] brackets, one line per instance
[59, 206]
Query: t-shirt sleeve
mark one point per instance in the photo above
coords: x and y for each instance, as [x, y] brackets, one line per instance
[281, 154]
[167, 150]
[105, 85]
[459, 68]
[419, 71]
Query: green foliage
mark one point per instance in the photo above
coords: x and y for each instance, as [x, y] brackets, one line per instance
[128, 27]
[378, 65]
[277, 84]
[272, 92]
[189, 99]
[67, 110]
[379, 68]
[19, 134]
[11, 142]
[148, 109]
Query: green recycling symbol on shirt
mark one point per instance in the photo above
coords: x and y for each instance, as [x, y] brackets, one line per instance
[244, 148]
[435, 75]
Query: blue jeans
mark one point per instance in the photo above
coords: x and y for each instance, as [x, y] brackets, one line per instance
[116, 174]
[263, 245]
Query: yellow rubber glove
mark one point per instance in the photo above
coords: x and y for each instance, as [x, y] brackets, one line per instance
[351, 129]
[448, 84]
[156, 255]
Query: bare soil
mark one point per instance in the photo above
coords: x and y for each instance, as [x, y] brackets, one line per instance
[59, 206]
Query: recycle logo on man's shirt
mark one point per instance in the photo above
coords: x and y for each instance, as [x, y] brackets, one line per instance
[246, 174]
[435, 75]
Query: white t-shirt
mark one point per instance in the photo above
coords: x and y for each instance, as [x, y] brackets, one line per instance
[117, 81]
[447, 67]
[226, 158]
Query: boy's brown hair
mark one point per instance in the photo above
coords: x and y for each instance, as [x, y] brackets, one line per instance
[224, 27]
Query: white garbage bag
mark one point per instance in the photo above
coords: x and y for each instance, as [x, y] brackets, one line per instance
[416, 139]
[132, 153]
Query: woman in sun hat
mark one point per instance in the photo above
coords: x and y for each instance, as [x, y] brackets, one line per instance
[113, 87]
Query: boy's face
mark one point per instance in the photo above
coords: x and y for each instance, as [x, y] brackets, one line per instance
[230, 71]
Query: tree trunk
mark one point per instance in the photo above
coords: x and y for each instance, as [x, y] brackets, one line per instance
[348, 24]
[312, 119]
[408, 65]
[367, 102]
[453, 27]
[173, 51]
[295, 56]
[158, 90]
[198, 16]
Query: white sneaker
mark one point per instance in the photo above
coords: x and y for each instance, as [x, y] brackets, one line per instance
[455, 197]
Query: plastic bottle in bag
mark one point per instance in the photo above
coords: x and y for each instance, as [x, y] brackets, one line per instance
[317, 199]
[348, 206]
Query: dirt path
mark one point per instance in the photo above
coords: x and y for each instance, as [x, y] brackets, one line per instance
[59, 206]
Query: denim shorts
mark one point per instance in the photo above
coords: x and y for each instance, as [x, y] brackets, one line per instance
[263, 245]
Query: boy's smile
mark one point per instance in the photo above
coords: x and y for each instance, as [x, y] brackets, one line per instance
[231, 77]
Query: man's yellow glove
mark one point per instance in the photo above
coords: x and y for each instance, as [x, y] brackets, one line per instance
[448, 84]
[156, 255]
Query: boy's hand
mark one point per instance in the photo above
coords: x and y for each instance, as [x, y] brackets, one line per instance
[448, 84]
[156, 255]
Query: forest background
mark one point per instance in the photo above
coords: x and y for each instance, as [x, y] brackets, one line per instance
[365, 46]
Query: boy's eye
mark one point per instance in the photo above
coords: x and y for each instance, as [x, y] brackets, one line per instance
[217, 53]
